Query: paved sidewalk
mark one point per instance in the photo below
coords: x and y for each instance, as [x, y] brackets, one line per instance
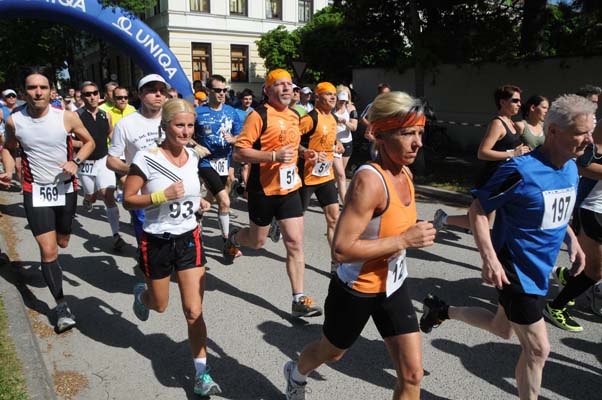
[112, 355]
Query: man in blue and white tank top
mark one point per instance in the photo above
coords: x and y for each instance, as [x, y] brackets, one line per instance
[49, 177]
[533, 196]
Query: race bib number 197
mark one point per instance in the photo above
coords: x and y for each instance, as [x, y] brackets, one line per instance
[558, 207]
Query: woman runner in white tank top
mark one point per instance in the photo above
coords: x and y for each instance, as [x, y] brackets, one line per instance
[346, 116]
[164, 181]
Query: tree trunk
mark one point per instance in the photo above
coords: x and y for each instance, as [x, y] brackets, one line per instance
[534, 19]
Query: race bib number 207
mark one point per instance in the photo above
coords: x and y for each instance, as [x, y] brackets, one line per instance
[558, 207]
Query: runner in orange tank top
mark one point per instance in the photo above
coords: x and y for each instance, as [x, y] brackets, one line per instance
[374, 230]
[316, 152]
[269, 141]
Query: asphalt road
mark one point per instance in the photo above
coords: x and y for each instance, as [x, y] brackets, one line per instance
[112, 355]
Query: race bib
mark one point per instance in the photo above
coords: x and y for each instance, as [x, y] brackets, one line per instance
[87, 168]
[50, 195]
[397, 271]
[288, 177]
[220, 165]
[177, 211]
[322, 168]
[558, 207]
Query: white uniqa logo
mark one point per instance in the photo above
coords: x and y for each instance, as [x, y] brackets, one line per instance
[81, 4]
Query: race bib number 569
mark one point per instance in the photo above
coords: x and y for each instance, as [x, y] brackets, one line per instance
[558, 207]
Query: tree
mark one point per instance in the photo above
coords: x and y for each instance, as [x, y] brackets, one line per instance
[54, 43]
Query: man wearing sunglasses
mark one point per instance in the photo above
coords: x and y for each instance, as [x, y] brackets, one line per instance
[109, 101]
[138, 131]
[216, 128]
[122, 106]
[93, 173]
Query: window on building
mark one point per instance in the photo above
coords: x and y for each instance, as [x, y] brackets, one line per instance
[306, 10]
[239, 58]
[201, 61]
[273, 9]
[199, 5]
[238, 7]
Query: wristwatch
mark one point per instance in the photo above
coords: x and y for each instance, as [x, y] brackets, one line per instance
[77, 160]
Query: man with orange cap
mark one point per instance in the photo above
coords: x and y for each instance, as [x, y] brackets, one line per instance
[269, 141]
[200, 98]
[316, 152]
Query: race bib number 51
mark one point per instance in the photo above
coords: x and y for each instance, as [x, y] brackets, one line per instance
[288, 177]
[558, 207]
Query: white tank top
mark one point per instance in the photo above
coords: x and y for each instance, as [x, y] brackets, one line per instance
[344, 134]
[45, 144]
[175, 216]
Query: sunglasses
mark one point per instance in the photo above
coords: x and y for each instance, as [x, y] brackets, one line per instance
[121, 97]
[10, 95]
[515, 101]
[88, 94]
[224, 90]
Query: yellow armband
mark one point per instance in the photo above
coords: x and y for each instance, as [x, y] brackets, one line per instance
[158, 197]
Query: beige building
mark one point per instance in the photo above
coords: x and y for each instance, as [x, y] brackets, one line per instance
[209, 37]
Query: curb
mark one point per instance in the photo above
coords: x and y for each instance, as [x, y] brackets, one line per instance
[39, 384]
[445, 195]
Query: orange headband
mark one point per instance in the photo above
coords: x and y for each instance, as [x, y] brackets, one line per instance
[389, 124]
[274, 75]
[325, 87]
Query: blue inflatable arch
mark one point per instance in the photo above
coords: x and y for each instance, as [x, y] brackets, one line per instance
[116, 25]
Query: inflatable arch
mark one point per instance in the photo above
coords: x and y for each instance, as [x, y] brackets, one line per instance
[116, 25]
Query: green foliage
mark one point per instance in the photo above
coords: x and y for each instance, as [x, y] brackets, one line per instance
[278, 48]
[12, 382]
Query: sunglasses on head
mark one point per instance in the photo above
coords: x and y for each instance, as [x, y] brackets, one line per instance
[121, 97]
[10, 95]
[88, 94]
[515, 100]
[224, 90]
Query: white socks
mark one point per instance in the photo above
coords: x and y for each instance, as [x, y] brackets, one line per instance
[200, 365]
[224, 224]
[113, 217]
[298, 376]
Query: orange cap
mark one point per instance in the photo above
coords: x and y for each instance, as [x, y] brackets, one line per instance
[276, 74]
[200, 95]
[325, 87]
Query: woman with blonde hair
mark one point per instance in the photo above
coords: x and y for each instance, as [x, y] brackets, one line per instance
[377, 226]
[346, 117]
[164, 181]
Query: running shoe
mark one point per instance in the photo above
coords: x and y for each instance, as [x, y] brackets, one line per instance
[561, 274]
[431, 317]
[230, 251]
[205, 386]
[561, 318]
[440, 215]
[234, 189]
[64, 318]
[274, 232]
[118, 242]
[305, 307]
[88, 205]
[294, 390]
[139, 308]
[595, 297]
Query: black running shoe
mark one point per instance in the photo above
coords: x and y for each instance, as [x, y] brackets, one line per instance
[431, 317]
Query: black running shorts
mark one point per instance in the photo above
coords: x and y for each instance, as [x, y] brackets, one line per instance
[346, 314]
[590, 222]
[215, 183]
[159, 256]
[325, 192]
[46, 219]
[521, 308]
[263, 208]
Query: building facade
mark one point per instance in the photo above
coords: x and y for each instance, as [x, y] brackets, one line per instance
[208, 37]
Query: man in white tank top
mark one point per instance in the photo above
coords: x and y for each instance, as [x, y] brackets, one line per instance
[49, 182]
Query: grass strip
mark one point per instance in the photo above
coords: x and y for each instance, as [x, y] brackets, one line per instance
[12, 382]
